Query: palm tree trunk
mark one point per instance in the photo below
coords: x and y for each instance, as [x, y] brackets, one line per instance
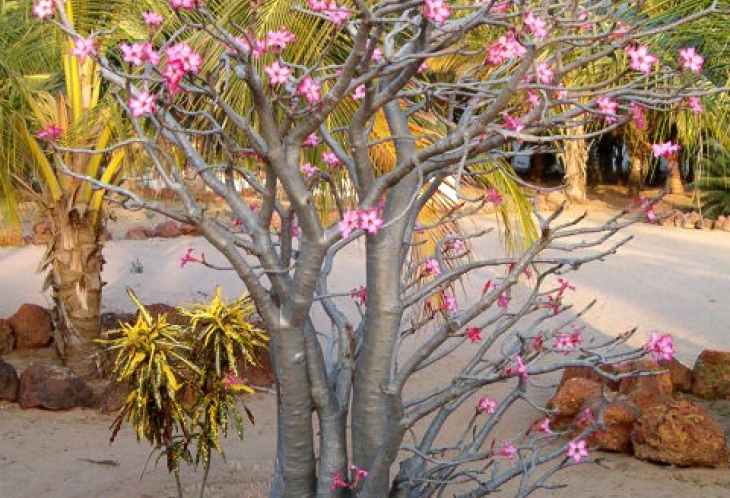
[636, 175]
[575, 158]
[675, 177]
[75, 260]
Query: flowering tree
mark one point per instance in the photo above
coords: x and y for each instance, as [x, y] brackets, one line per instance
[297, 123]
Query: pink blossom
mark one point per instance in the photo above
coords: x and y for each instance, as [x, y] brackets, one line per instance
[520, 369]
[312, 140]
[586, 418]
[544, 73]
[508, 450]
[183, 4]
[638, 115]
[609, 107]
[152, 18]
[511, 124]
[494, 197]
[665, 149]
[423, 67]
[506, 47]
[436, 10]
[295, 231]
[474, 334]
[456, 245]
[331, 159]
[449, 303]
[431, 267]
[661, 346]
[564, 285]
[350, 222]
[310, 89]
[83, 47]
[641, 59]
[182, 54]
[187, 257]
[377, 54]
[318, 5]
[533, 98]
[370, 221]
[337, 14]
[359, 295]
[308, 170]
[694, 104]
[577, 450]
[561, 94]
[144, 103]
[544, 426]
[536, 25]
[338, 482]
[139, 53]
[359, 474]
[566, 343]
[503, 300]
[44, 8]
[49, 133]
[487, 405]
[359, 93]
[279, 39]
[690, 59]
[277, 73]
[232, 380]
[499, 8]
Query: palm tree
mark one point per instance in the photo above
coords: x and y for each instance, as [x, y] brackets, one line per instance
[86, 118]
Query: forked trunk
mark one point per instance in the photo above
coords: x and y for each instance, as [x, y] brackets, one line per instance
[74, 260]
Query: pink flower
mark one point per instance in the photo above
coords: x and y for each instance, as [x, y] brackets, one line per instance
[295, 231]
[278, 40]
[641, 59]
[609, 107]
[487, 405]
[665, 149]
[188, 59]
[474, 334]
[370, 221]
[232, 380]
[187, 257]
[183, 4]
[638, 115]
[359, 474]
[331, 159]
[577, 450]
[49, 133]
[448, 303]
[144, 103]
[694, 104]
[338, 15]
[536, 25]
[318, 5]
[533, 98]
[506, 47]
[152, 18]
[311, 141]
[503, 300]
[661, 346]
[544, 426]
[456, 245]
[436, 10]
[139, 53]
[350, 222]
[431, 267]
[561, 94]
[494, 197]
[359, 93]
[511, 124]
[423, 67]
[359, 295]
[277, 73]
[44, 8]
[338, 482]
[508, 450]
[83, 47]
[690, 59]
[544, 73]
[566, 343]
[308, 170]
[520, 369]
[377, 54]
[310, 89]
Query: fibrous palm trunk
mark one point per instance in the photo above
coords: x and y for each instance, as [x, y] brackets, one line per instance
[74, 260]
[575, 158]
[675, 177]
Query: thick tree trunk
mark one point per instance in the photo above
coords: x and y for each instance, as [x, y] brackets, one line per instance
[575, 158]
[636, 175]
[675, 177]
[74, 256]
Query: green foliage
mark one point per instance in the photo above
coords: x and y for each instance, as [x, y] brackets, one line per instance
[184, 379]
[713, 181]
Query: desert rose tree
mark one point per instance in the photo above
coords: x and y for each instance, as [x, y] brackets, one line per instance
[360, 382]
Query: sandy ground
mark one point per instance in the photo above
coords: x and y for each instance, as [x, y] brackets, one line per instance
[666, 279]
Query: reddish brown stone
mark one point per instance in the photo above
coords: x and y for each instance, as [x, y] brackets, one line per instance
[619, 416]
[647, 397]
[53, 388]
[680, 433]
[261, 374]
[167, 230]
[7, 337]
[679, 373]
[113, 397]
[711, 376]
[32, 327]
[569, 399]
[659, 382]
[136, 233]
[9, 382]
[190, 230]
[588, 373]
[173, 315]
